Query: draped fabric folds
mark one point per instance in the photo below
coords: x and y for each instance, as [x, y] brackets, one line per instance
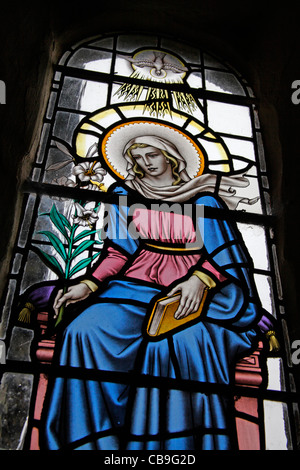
[87, 413]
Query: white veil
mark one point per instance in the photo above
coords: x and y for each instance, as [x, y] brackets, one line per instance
[190, 186]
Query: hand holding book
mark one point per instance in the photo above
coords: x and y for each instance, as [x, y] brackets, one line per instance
[183, 304]
[191, 294]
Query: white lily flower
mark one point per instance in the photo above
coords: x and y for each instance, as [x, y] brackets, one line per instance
[84, 217]
[87, 171]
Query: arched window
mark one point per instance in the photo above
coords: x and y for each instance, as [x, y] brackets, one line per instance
[107, 91]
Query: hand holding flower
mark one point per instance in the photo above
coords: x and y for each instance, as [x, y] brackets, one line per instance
[74, 294]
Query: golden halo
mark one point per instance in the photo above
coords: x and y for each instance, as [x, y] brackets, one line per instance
[116, 139]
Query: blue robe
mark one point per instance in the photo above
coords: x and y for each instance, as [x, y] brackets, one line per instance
[94, 414]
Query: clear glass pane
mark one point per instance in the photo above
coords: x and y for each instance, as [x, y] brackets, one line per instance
[223, 82]
[65, 124]
[106, 43]
[128, 43]
[210, 61]
[36, 271]
[261, 152]
[15, 392]
[43, 142]
[16, 263]
[255, 241]
[90, 59]
[27, 219]
[51, 104]
[229, 118]
[58, 165]
[194, 80]
[7, 309]
[276, 380]
[123, 67]
[188, 53]
[276, 425]
[242, 148]
[84, 95]
[265, 291]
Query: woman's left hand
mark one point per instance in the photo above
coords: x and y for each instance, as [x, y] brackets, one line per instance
[191, 294]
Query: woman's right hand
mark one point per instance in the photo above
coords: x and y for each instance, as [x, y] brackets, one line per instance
[74, 294]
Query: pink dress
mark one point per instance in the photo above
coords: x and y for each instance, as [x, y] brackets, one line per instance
[162, 234]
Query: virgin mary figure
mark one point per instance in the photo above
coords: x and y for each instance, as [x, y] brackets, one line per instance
[148, 395]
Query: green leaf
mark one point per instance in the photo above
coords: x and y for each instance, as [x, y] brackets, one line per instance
[59, 221]
[56, 243]
[66, 222]
[85, 233]
[51, 261]
[83, 246]
[83, 264]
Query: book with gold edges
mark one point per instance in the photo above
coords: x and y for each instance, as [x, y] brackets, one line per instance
[162, 318]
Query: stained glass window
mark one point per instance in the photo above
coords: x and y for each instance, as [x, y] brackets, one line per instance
[108, 92]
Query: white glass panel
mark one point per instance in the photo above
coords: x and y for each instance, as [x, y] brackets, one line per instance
[229, 118]
[94, 96]
[263, 284]
[243, 148]
[123, 67]
[195, 80]
[275, 426]
[275, 374]
[255, 241]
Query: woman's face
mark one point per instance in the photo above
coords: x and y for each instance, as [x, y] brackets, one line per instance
[151, 161]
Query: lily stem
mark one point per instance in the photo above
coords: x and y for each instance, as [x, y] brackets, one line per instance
[61, 310]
